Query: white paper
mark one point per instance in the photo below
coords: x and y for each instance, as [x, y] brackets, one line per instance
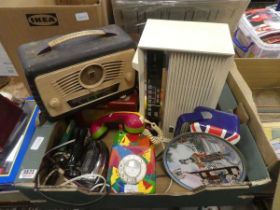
[82, 16]
[6, 66]
[36, 144]
[14, 152]
[27, 173]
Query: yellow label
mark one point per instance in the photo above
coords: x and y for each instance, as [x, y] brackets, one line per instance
[115, 175]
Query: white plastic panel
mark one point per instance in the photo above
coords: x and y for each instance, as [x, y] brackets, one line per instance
[187, 36]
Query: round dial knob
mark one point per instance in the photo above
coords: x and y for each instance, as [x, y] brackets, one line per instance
[54, 103]
[129, 76]
[132, 169]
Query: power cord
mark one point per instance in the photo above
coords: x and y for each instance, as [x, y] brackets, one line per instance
[49, 175]
[159, 139]
[59, 170]
[56, 169]
[70, 181]
[59, 146]
[90, 176]
[169, 186]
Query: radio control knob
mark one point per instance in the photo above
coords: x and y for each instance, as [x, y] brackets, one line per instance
[129, 76]
[54, 103]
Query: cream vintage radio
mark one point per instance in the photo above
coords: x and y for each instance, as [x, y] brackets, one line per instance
[66, 73]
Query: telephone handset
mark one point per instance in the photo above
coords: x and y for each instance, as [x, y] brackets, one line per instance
[133, 123]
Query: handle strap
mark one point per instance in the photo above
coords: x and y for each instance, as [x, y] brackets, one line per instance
[238, 43]
[71, 36]
[187, 117]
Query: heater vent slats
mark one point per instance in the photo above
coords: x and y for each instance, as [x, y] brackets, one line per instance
[193, 80]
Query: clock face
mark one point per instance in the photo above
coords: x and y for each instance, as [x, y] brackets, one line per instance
[195, 160]
[132, 169]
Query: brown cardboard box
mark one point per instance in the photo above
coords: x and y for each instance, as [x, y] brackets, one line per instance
[263, 78]
[235, 92]
[74, 2]
[23, 21]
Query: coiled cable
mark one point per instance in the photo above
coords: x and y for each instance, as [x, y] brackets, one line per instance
[159, 139]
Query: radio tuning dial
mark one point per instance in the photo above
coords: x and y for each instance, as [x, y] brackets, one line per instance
[91, 76]
[54, 103]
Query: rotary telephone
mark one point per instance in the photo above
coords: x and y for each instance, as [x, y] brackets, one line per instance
[132, 159]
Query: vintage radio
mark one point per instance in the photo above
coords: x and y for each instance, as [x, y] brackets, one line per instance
[66, 73]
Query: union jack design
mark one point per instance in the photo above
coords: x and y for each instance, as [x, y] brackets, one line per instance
[231, 137]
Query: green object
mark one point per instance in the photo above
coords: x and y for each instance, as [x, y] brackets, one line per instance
[118, 137]
[99, 132]
[67, 135]
[133, 130]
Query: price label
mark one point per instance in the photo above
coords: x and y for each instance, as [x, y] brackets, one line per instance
[27, 173]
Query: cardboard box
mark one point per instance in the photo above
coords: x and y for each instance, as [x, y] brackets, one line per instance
[75, 2]
[263, 78]
[23, 21]
[235, 92]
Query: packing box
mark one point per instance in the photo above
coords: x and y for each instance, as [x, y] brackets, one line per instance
[235, 93]
[262, 76]
[132, 15]
[23, 21]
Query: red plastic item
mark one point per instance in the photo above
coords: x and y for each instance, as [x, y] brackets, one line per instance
[128, 103]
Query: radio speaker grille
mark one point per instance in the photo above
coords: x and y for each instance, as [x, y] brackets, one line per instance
[113, 70]
[70, 83]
